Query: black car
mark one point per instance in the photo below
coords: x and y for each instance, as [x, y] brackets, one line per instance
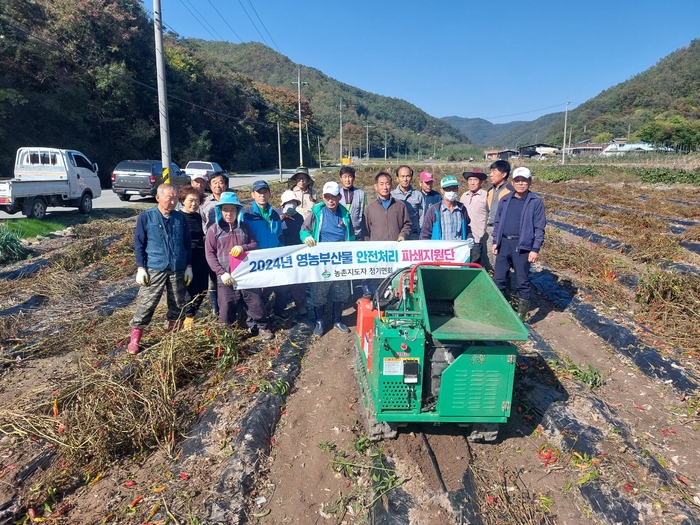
[142, 178]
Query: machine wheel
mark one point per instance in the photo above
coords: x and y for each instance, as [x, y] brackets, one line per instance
[123, 197]
[37, 209]
[85, 203]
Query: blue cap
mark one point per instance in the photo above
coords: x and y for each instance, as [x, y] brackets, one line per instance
[228, 197]
[259, 185]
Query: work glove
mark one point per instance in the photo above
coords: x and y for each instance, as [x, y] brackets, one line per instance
[309, 241]
[142, 277]
[188, 276]
[470, 242]
[227, 279]
[236, 251]
[400, 238]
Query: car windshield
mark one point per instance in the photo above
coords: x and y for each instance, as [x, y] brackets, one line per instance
[199, 165]
[132, 165]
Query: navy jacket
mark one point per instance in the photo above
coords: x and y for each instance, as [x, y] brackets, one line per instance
[532, 223]
[157, 250]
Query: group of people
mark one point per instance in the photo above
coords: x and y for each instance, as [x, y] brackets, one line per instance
[186, 252]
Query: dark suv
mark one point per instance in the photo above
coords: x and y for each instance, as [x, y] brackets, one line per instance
[142, 178]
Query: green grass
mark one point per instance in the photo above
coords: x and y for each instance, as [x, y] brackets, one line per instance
[27, 228]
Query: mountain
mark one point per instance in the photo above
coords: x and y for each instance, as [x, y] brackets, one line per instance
[527, 132]
[660, 104]
[407, 127]
[479, 130]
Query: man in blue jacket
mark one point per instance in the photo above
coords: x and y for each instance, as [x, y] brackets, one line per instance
[266, 225]
[162, 246]
[518, 234]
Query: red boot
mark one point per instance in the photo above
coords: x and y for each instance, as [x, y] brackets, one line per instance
[174, 326]
[133, 347]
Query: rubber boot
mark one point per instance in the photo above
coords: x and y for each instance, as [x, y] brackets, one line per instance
[318, 329]
[214, 300]
[189, 323]
[337, 315]
[133, 347]
[174, 326]
[523, 308]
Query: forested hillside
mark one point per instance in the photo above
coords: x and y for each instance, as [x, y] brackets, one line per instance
[408, 128]
[479, 130]
[660, 105]
[80, 74]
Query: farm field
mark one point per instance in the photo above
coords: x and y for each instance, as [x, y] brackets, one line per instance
[214, 426]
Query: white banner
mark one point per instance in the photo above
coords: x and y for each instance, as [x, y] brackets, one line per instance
[333, 261]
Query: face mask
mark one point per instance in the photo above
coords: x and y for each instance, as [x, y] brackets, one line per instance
[450, 196]
[290, 209]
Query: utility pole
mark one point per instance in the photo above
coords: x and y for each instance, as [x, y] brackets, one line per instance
[563, 149]
[308, 143]
[299, 83]
[629, 128]
[162, 90]
[279, 149]
[385, 145]
[341, 131]
[319, 151]
[368, 126]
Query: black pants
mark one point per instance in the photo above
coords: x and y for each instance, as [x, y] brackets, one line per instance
[508, 257]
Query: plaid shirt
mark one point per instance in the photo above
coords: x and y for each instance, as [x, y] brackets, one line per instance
[451, 223]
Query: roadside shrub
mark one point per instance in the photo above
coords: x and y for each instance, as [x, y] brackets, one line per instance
[11, 248]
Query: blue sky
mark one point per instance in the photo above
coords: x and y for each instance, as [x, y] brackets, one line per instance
[500, 60]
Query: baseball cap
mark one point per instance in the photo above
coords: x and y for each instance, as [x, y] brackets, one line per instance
[331, 187]
[474, 173]
[289, 196]
[426, 176]
[259, 185]
[203, 176]
[523, 172]
[448, 181]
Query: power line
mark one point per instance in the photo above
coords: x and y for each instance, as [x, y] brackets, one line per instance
[525, 112]
[265, 28]
[203, 18]
[138, 82]
[251, 21]
[225, 21]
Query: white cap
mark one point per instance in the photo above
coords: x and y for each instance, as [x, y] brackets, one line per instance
[289, 196]
[331, 187]
[202, 176]
[523, 172]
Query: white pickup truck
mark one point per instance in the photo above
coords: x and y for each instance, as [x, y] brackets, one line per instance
[201, 168]
[46, 177]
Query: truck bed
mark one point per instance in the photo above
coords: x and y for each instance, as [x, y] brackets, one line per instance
[15, 189]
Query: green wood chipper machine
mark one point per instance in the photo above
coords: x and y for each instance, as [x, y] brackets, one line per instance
[434, 346]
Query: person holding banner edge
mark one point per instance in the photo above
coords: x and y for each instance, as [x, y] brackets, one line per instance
[328, 222]
[230, 237]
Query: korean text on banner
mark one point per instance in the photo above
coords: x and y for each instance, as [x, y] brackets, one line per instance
[339, 261]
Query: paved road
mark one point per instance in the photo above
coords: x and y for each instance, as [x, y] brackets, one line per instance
[109, 199]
